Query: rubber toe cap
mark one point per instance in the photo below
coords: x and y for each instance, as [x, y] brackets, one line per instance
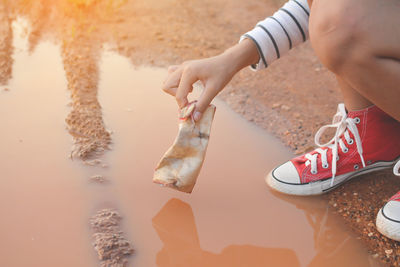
[392, 210]
[286, 173]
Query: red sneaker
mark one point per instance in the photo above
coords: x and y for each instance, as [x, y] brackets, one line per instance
[366, 140]
[388, 218]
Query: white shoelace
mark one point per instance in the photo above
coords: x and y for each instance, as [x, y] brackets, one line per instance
[396, 169]
[343, 125]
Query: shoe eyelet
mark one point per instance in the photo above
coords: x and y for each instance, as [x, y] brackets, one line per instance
[356, 167]
[325, 166]
[351, 141]
[337, 158]
[313, 172]
[346, 150]
[357, 120]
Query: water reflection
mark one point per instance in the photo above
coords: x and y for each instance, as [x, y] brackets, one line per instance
[332, 244]
[175, 225]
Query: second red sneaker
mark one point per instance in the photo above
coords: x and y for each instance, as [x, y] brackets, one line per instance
[388, 218]
[365, 141]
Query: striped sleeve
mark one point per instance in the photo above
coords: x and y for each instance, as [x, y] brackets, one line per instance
[276, 35]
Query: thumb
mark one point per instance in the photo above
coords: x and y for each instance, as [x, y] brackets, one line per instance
[203, 102]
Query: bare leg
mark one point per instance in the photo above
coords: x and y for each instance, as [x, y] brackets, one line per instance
[359, 41]
[352, 99]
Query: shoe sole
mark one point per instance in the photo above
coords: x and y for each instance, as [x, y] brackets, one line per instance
[387, 227]
[322, 186]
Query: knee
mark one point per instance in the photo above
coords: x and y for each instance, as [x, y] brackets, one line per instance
[336, 34]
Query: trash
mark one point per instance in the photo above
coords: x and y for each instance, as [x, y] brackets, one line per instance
[181, 164]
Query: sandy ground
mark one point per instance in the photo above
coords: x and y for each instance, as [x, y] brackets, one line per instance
[112, 248]
[291, 99]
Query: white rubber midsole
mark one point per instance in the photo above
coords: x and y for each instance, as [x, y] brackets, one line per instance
[386, 227]
[320, 187]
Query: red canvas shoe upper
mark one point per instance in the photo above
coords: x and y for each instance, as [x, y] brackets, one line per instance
[362, 138]
[395, 197]
[396, 171]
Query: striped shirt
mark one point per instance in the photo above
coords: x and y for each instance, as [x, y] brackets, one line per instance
[276, 35]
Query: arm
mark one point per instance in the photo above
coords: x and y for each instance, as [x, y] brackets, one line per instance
[214, 73]
[269, 40]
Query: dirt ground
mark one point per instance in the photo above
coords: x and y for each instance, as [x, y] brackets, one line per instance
[291, 99]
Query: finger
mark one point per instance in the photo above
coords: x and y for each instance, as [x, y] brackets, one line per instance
[204, 101]
[172, 68]
[185, 86]
[172, 82]
[173, 76]
[171, 91]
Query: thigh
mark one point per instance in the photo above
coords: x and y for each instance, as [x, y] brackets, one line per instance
[376, 23]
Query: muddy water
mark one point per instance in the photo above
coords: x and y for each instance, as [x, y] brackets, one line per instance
[43, 201]
[231, 218]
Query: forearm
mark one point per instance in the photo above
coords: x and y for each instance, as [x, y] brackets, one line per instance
[241, 55]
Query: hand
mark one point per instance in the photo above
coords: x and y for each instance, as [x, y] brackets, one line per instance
[214, 73]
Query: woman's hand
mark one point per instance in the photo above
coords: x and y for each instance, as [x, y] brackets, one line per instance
[215, 73]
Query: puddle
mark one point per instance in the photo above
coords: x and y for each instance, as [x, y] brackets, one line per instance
[42, 196]
[230, 219]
